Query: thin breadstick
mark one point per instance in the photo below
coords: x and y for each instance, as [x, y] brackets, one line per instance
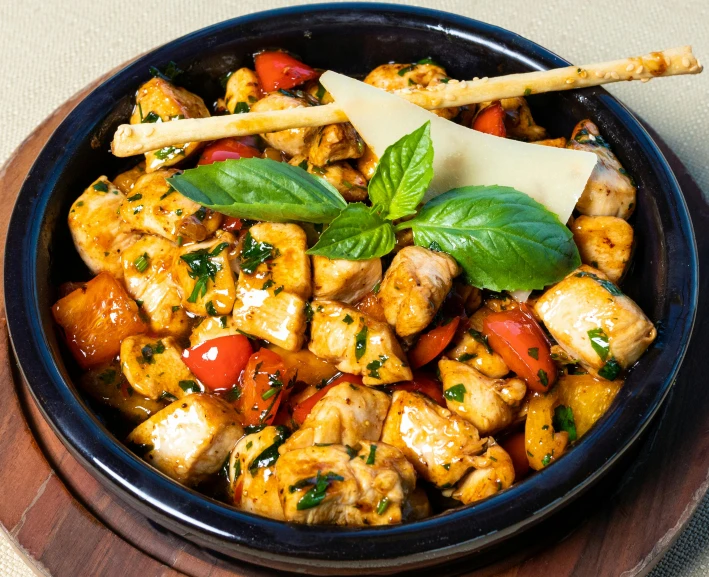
[139, 138]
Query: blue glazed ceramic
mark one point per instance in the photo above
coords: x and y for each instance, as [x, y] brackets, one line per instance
[349, 38]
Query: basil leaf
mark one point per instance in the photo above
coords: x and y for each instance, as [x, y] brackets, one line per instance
[503, 239]
[357, 234]
[261, 189]
[403, 174]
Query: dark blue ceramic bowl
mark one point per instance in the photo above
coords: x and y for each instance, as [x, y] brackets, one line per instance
[350, 38]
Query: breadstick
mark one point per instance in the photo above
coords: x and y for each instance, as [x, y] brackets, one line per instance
[139, 138]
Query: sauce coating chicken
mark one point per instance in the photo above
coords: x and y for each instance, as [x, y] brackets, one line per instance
[349, 182]
[293, 141]
[493, 472]
[346, 281]
[243, 90]
[605, 243]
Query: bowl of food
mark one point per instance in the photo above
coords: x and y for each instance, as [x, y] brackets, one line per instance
[304, 322]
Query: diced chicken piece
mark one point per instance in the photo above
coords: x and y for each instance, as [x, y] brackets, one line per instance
[126, 180]
[595, 322]
[609, 191]
[605, 243]
[161, 101]
[440, 445]
[400, 76]
[357, 344]
[346, 415]
[155, 207]
[252, 475]
[487, 403]
[367, 163]
[291, 141]
[519, 122]
[213, 328]
[369, 488]
[553, 142]
[189, 439]
[471, 348]
[414, 287]
[493, 473]
[205, 277]
[308, 368]
[243, 90]
[155, 369]
[334, 142]
[272, 291]
[97, 230]
[146, 274]
[346, 281]
[349, 182]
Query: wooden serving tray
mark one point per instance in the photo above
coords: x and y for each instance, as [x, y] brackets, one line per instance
[67, 525]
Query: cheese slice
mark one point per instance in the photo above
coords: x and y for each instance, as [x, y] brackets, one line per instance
[554, 177]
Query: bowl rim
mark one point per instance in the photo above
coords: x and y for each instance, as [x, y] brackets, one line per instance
[188, 512]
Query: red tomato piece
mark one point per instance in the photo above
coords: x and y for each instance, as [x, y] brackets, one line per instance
[278, 70]
[264, 383]
[432, 344]
[302, 410]
[517, 337]
[517, 450]
[423, 384]
[226, 149]
[491, 121]
[218, 362]
[232, 224]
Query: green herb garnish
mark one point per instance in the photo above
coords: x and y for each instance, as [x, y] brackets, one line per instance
[455, 393]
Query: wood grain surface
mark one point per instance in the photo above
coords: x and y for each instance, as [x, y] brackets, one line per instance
[68, 525]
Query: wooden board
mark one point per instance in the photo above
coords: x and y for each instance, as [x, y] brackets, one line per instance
[67, 525]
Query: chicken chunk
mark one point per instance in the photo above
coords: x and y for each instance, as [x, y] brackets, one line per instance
[243, 90]
[370, 488]
[155, 369]
[349, 182]
[519, 122]
[346, 281]
[440, 445]
[213, 328]
[357, 344]
[367, 163]
[161, 101]
[291, 141]
[605, 243]
[189, 439]
[487, 403]
[97, 230]
[126, 180]
[493, 473]
[414, 287]
[346, 415]
[609, 191]
[252, 475]
[273, 287]
[147, 275]
[471, 348]
[595, 322]
[334, 142]
[154, 207]
[205, 278]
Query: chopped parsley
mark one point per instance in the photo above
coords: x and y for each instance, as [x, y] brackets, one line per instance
[599, 342]
[352, 451]
[606, 284]
[202, 268]
[375, 365]
[269, 455]
[316, 494]
[546, 460]
[141, 263]
[134, 197]
[172, 71]
[406, 69]
[241, 107]
[372, 455]
[382, 506]
[348, 320]
[428, 60]
[268, 284]
[534, 353]
[278, 290]
[376, 287]
[466, 357]
[165, 396]
[189, 386]
[107, 377]
[480, 338]
[455, 393]
[320, 92]
[308, 312]
[211, 311]
[563, 420]
[233, 394]
[150, 118]
[527, 91]
[101, 187]
[223, 322]
[543, 377]
[254, 253]
[168, 152]
[610, 370]
[361, 342]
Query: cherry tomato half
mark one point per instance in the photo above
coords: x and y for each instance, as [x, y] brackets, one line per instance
[423, 384]
[432, 344]
[520, 341]
[517, 450]
[264, 383]
[226, 149]
[302, 410]
[218, 362]
[491, 121]
[278, 70]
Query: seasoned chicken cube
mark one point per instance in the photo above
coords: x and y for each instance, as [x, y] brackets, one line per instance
[605, 243]
[350, 183]
[346, 415]
[595, 322]
[609, 191]
[493, 473]
[414, 287]
[161, 101]
[401, 76]
[126, 180]
[253, 486]
[213, 328]
[471, 348]
[487, 403]
[243, 89]
[155, 369]
[367, 163]
[332, 485]
[97, 230]
[357, 344]
[146, 273]
[189, 439]
[440, 445]
[155, 207]
[333, 143]
[291, 141]
[274, 284]
[346, 281]
[205, 277]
